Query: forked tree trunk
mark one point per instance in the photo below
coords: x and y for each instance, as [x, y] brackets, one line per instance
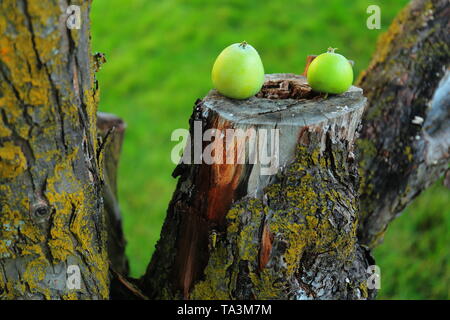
[234, 231]
[52, 223]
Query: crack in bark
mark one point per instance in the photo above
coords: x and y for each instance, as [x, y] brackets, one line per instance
[32, 32]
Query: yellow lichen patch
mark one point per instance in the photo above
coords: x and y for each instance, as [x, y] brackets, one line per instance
[4, 131]
[298, 213]
[408, 154]
[91, 108]
[31, 232]
[65, 194]
[364, 289]
[84, 230]
[11, 219]
[60, 244]
[297, 237]
[39, 91]
[33, 249]
[2, 30]
[47, 16]
[71, 296]
[266, 286]
[249, 233]
[35, 272]
[232, 216]
[12, 160]
[14, 223]
[19, 51]
[217, 283]
[73, 231]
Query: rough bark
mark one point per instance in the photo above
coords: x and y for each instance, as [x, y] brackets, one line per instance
[50, 169]
[405, 137]
[111, 131]
[232, 233]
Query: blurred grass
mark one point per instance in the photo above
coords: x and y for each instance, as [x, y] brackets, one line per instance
[415, 258]
[160, 54]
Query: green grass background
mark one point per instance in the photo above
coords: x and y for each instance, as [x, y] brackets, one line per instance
[160, 55]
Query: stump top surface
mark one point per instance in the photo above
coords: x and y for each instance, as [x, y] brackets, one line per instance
[290, 102]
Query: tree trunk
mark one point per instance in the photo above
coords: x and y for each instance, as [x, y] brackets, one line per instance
[234, 231]
[111, 130]
[405, 137]
[51, 219]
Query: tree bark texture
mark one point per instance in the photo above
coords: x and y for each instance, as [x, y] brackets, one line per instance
[111, 130]
[405, 137]
[50, 169]
[232, 233]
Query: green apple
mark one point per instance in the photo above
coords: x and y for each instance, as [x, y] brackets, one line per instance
[330, 72]
[238, 71]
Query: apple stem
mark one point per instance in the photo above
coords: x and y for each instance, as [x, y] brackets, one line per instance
[332, 50]
[243, 44]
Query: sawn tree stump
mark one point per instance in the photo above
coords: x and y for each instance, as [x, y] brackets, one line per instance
[240, 231]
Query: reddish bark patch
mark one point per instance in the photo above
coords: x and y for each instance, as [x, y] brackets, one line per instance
[266, 247]
[309, 59]
[216, 189]
[219, 181]
[192, 245]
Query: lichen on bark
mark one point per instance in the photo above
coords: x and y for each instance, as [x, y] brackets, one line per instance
[403, 146]
[290, 235]
[50, 181]
[312, 217]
